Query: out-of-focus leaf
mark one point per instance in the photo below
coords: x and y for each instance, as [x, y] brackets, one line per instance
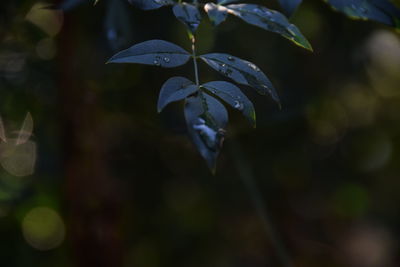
[382, 11]
[150, 4]
[269, 20]
[26, 130]
[188, 14]
[18, 160]
[154, 52]
[232, 95]
[216, 13]
[241, 71]
[206, 119]
[2, 131]
[290, 6]
[118, 25]
[175, 89]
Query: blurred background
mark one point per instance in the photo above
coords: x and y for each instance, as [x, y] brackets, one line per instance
[91, 175]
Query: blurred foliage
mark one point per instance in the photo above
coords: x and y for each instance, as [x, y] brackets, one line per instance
[115, 184]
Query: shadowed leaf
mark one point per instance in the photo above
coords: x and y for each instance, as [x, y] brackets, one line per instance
[216, 13]
[241, 71]
[155, 52]
[206, 119]
[232, 95]
[269, 20]
[175, 89]
[382, 11]
[188, 14]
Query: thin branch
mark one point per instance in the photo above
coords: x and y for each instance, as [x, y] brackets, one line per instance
[196, 70]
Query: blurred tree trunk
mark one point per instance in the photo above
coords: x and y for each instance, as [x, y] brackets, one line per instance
[92, 200]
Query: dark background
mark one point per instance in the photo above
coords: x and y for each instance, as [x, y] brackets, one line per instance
[116, 184]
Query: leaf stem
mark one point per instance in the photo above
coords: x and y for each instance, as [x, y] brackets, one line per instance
[196, 70]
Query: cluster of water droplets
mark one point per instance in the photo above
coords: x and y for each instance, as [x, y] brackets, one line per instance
[253, 67]
[224, 69]
[158, 61]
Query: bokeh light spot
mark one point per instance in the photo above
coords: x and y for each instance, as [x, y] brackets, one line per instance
[43, 228]
[49, 21]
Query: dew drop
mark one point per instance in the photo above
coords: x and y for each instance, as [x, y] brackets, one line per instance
[156, 62]
[238, 105]
[254, 67]
[231, 58]
[166, 59]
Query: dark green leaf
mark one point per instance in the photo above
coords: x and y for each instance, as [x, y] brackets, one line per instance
[290, 6]
[188, 14]
[270, 20]
[175, 89]
[150, 4]
[206, 119]
[154, 52]
[241, 71]
[216, 13]
[379, 10]
[232, 95]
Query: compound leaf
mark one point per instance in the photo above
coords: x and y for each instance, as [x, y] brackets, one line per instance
[241, 71]
[154, 52]
[232, 95]
[188, 14]
[216, 13]
[175, 89]
[269, 20]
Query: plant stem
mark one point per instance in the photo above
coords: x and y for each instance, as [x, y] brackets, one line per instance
[245, 173]
[196, 70]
